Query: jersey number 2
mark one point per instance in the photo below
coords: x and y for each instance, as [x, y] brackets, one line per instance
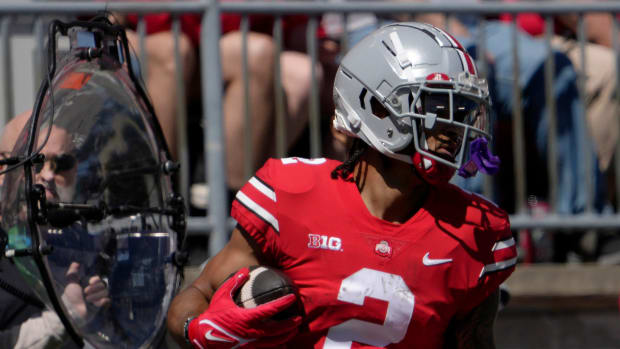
[380, 285]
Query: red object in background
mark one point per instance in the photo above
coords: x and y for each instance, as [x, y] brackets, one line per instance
[190, 23]
[159, 22]
[75, 80]
[527, 247]
[532, 23]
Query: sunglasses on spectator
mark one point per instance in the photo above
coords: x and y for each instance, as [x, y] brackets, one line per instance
[58, 163]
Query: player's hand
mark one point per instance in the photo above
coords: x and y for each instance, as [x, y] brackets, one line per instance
[225, 324]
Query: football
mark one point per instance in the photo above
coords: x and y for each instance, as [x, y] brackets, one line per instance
[266, 284]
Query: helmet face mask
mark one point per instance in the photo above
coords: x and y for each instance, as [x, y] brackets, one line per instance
[455, 119]
[429, 87]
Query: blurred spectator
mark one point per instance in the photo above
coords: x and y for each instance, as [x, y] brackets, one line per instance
[8, 138]
[571, 143]
[22, 322]
[598, 26]
[571, 134]
[357, 25]
[161, 78]
[602, 103]
[602, 108]
[295, 69]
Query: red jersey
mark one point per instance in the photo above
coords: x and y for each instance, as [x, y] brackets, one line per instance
[190, 23]
[365, 282]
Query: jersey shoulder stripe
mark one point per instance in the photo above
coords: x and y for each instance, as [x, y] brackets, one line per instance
[503, 252]
[275, 194]
[258, 198]
[503, 244]
[258, 210]
[483, 226]
[498, 266]
[263, 187]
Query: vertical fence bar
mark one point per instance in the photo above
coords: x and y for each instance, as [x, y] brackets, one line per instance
[518, 149]
[279, 90]
[616, 46]
[181, 113]
[481, 49]
[345, 41]
[141, 31]
[215, 153]
[315, 118]
[7, 71]
[248, 152]
[447, 22]
[588, 160]
[39, 53]
[551, 115]
[483, 69]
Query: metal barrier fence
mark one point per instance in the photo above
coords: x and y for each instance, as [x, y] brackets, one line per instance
[217, 221]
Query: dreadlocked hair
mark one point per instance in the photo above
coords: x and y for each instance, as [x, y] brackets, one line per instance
[344, 170]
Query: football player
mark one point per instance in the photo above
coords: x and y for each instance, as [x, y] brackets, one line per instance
[383, 250]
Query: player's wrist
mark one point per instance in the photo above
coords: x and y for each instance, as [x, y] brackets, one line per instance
[186, 329]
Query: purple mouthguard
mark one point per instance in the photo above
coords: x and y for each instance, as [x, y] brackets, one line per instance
[480, 158]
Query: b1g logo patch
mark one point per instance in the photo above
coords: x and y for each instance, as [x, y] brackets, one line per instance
[324, 242]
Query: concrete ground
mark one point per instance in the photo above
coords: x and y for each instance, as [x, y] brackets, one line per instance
[561, 306]
[568, 328]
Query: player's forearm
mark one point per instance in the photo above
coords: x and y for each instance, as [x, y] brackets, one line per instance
[475, 331]
[480, 339]
[189, 303]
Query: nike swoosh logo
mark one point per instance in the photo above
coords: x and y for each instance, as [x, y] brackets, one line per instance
[211, 337]
[429, 262]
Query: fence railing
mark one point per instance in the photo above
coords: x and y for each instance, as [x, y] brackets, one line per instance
[217, 221]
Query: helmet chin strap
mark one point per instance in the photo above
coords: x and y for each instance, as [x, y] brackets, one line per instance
[426, 162]
[430, 170]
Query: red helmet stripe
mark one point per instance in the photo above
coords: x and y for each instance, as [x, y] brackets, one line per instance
[465, 58]
[468, 62]
[452, 40]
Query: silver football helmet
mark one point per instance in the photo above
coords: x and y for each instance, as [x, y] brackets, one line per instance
[404, 80]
